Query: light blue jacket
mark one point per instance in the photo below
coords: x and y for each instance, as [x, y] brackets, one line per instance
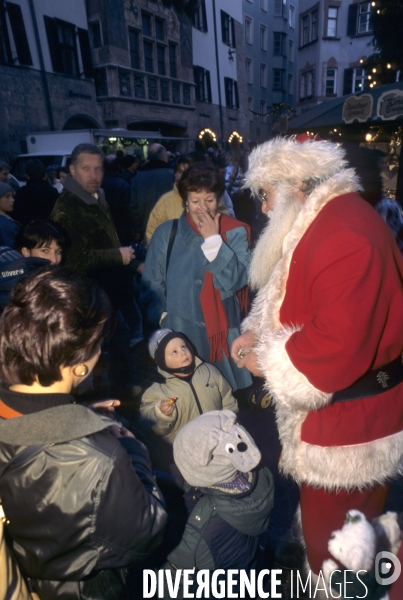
[177, 292]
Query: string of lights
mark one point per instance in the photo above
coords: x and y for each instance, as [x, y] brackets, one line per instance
[274, 110]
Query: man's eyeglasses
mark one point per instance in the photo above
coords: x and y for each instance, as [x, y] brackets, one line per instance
[263, 195]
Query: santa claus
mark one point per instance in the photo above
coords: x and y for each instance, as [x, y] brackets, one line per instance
[326, 333]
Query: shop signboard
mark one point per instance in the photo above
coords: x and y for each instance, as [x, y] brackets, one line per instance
[357, 108]
[390, 105]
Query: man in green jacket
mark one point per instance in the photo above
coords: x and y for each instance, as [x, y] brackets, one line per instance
[95, 250]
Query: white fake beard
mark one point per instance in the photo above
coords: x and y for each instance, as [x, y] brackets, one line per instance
[269, 247]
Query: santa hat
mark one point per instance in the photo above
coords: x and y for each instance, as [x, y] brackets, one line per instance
[287, 159]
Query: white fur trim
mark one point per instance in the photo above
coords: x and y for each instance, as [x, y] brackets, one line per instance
[284, 159]
[285, 382]
[336, 467]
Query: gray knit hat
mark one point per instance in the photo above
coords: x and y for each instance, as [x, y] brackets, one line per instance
[155, 340]
[212, 449]
[5, 188]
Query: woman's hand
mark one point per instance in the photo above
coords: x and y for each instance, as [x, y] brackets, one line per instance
[167, 407]
[105, 407]
[208, 225]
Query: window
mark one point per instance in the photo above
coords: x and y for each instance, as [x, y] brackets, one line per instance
[263, 110]
[161, 59]
[359, 19]
[291, 16]
[134, 46]
[227, 29]
[364, 15]
[62, 46]
[354, 80]
[305, 30]
[279, 40]
[291, 51]
[231, 93]
[314, 25]
[280, 8]
[330, 82]
[94, 29]
[146, 24]
[5, 49]
[148, 56]
[200, 18]
[173, 71]
[263, 75]
[307, 85]
[263, 31]
[202, 83]
[263, 5]
[332, 21]
[278, 79]
[248, 70]
[160, 29]
[19, 33]
[248, 30]
[309, 27]
[250, 108]
[290, 84]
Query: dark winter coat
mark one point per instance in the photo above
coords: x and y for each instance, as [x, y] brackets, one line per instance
[35, 200]
[88, 221]
[84, 508]
[8, 230]
[222, 530]
[153, 180]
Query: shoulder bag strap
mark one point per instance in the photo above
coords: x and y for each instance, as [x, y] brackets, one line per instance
[171, 240]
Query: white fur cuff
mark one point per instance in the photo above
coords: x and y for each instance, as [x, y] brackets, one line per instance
[285, 382]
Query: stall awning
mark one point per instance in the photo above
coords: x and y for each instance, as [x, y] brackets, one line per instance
[378, 105]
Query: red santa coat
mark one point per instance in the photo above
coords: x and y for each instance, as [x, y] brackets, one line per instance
[331, 311]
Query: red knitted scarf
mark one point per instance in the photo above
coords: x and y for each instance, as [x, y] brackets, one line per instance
[210, 298]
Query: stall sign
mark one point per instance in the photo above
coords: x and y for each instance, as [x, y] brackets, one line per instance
[357, 108]
[390, 105]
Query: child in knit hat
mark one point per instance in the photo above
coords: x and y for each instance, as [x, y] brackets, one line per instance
[228, 498]
[191, 388]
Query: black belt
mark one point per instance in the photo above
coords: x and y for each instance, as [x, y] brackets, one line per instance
[374, 382]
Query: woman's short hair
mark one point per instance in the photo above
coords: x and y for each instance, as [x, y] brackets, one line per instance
[201, 176]
[40, 233]
[55, 318]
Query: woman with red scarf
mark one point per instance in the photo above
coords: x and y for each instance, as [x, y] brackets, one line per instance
[196, 272]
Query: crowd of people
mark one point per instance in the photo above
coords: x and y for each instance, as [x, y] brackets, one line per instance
[173, 253]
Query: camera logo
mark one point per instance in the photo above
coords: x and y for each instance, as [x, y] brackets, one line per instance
[390, 564]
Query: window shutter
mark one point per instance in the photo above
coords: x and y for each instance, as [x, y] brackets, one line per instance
[19, 33]
[55, 55]
[233, 32]
[208, 86]
[352, 20]
[348, 81]
[205, 28]
[223, 36]
[85, 52]
[236, 94]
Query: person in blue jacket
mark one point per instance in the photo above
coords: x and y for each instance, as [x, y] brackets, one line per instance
[196, 272]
